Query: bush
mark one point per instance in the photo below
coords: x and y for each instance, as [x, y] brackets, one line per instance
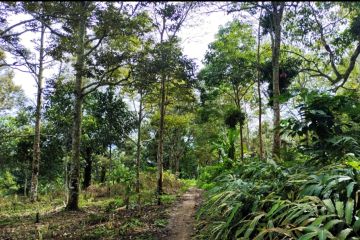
[8, 184]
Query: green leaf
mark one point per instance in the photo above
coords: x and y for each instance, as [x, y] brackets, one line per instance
[282, 231]
[349, 208]
[332, 223]
[329, 205]
[356, 225]
[252, 225]
[233, 212]
[320, 219]
[322, 234]
[344, 233]
[308, 236]
[339, 208]
[349, 189]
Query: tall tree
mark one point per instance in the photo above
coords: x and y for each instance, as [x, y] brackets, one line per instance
[168, 19]
[24, 58]
[142, 85]
[230, 63]
[36, 148]
[276, 15]
[103, 57]
[259, 86]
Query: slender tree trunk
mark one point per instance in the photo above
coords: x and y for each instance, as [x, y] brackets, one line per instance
[177, 161]
[73, 203]
[26, 183]
[231, 152]
[88, 169]
[110, 157]
[241, 143]
[238, 105]
[66, 180]
[138, 152]
[110, 168]
[36, 147]
[160, 154]
[277, 16]
[247, 130]
[259, 90]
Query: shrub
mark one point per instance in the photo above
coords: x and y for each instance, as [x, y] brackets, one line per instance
[8, 184]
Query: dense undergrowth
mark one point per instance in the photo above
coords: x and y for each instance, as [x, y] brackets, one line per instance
[259, 200]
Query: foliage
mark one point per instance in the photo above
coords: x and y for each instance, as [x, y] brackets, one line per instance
[233, 117]
[8, 184]
[329, 125]
[289, 69]
[263, 201]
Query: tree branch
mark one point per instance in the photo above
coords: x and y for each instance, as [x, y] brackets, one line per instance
[13, 26]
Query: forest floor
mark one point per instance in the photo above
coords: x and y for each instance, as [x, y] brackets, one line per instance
[174, 220]
[182, 220]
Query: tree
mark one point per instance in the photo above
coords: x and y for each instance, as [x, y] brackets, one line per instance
[99, 55]
[276, 14]
[140, 88]
[172, 17]
[229, 65]
[110, 122]
[329, 31]
[259, 86]
[24, 58]
[10, 93]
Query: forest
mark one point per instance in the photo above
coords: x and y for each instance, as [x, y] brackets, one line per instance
[127, 137]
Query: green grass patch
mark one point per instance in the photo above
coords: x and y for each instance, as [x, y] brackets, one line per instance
[161, 223]
[187, 183]
[168, 198]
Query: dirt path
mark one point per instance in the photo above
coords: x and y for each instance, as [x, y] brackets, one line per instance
[181, 223]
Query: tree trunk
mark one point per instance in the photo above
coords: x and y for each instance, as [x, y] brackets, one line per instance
[26, 183]
[177, 166]
[88, 169]
[66, 180]
[73, 203]
[247, 130]
[36, 147]
[241, 143]
[277, 16]
[138, 152]
[160, 153]
[103, 174]
[259, 90]
[231, 152]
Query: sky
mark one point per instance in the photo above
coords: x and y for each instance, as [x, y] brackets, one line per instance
[195, 40]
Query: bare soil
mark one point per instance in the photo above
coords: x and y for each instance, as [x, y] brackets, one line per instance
[182, 220]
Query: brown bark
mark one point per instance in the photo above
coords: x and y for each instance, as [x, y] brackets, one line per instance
[73, 203]
[36, 147]
[276, 21]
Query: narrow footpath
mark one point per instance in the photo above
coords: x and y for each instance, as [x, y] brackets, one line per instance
[182, 216]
